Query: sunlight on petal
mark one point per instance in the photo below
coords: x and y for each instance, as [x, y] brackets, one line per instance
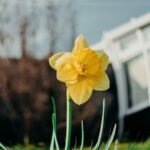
[101, 82]
[65, 69]
[104, 59]
[86, 62]
[80, 43]
[81, 91]
[53, 59]
[63, 60]
[67, 74]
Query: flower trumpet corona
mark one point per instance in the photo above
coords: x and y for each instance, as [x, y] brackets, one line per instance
[82, 70]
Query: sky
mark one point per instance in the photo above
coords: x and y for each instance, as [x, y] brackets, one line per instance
[94, 17]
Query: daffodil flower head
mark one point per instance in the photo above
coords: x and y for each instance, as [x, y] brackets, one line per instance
[82, 70]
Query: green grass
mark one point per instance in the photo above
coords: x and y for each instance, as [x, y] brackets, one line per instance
[30, 147]
[132, 146]
[120, 146]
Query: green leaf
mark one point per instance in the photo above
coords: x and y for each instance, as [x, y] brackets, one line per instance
[53, 138]
[52, 141]
[54, 105]
[116, 145]
[130, 146]
[54, 135]
[54, 130]
[3, 147]
[91, 145]
[75, 145]
[97, 146]
[82, 137]
[110, 139]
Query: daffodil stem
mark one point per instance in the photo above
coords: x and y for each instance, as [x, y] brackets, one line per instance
[69, 123]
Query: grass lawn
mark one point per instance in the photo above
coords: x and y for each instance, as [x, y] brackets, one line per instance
[120, 146]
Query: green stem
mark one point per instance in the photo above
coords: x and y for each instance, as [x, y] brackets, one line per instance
[69, 123]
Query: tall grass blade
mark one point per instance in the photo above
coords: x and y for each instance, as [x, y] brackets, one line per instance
[54, 105]
[91, 145]
[130, 146]
[110, 139]
[53, 134]
[116, 145]
[52, 142]
[3, 147]
[54, 130]
[75, 145]
[97, 146]
[82, 135]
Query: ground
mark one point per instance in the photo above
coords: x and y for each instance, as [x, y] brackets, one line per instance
[120, 146]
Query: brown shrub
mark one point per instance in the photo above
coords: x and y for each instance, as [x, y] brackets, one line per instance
[26, 88]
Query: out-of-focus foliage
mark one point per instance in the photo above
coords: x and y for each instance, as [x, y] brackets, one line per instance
[26, 88]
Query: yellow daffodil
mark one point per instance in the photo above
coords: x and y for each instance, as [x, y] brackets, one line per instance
[82, 70]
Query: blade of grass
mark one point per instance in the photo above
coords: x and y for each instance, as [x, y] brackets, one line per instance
[130, 146]
[97, 146]
[54, 135]
[116, 145]
[54, 111]
[91, 145]
[82, 135]
[3, 147]
[75, 145]
[54, 105]
[110, 139]
[54, 130]
[52, 142]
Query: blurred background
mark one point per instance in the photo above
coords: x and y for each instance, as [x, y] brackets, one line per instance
[32, 30]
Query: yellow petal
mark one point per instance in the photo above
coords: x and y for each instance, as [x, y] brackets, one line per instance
[80, 43]
[81, 91]
[101, 82]
[86, 62]
[65, 69]
[53, 59]
[104, 59]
